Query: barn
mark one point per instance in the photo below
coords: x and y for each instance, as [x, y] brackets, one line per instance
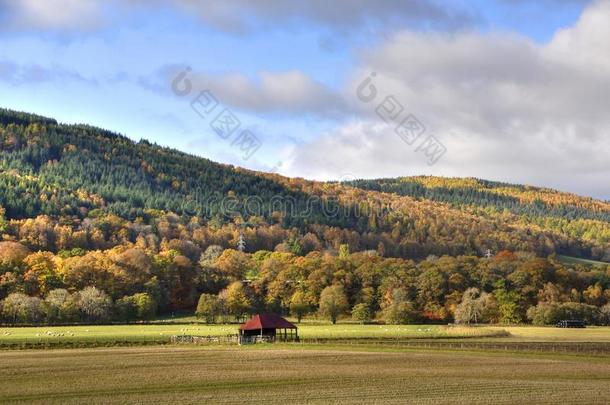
[267, 328]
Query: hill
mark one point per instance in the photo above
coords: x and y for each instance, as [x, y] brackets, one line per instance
[71, 173]
[97, 227]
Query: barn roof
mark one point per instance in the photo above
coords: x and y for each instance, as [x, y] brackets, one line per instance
[267, 321]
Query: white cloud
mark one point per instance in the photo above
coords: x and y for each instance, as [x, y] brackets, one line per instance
[505, 107]
[246, 15]
[291, 92]
[585, 45]
[51, 14]
[238, 16]
[18, 74]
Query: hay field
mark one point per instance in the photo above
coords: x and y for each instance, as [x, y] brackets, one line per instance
[553, 334]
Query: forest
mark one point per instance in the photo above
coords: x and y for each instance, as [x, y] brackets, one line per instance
[96, 227]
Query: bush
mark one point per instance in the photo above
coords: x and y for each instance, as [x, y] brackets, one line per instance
[546, 313]
[398, 310]
[94, 305]
[401, 313]
[361, 313]
[20, 308]
[60, 306]
[137, 306]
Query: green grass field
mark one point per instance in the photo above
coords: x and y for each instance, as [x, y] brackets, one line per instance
[577, 260]
[160, 332]
[307, 374]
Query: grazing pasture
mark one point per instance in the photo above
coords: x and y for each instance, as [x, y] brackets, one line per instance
[162, 332]
[298, 374]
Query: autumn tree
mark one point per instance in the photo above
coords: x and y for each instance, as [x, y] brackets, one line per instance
[593, 295]
[12, 255]
[361, 313]
[509, 303]
[137, 306]
[397, 308]
[207, 308]
[237, 302]
[299, 306]
[21, 308]
[333, 302]
[209, 276]
[60, 306]
[94, 305]
[40, 275]
[234, 264]
[470, 308]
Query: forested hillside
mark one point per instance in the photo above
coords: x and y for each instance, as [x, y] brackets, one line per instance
[152, 227]
[518, 199]
[77, 172]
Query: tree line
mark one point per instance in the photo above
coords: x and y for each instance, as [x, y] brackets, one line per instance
[227, 284]
[86, 306]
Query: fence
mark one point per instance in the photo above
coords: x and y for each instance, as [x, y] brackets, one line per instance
[189, 339]
[101, 341]
[601, 348]
[256, 339]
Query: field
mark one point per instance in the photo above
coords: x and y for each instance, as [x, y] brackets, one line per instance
[577, 260]
[162, 332]
[310, 333]
[283, 373]
[349, 364]
[552, 334]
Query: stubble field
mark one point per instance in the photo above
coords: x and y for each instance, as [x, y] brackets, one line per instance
[302, 374]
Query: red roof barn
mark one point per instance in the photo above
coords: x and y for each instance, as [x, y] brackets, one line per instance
[263, 327]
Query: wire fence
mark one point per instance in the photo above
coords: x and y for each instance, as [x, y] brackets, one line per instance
[600, 348]
[87, 341]
[590, 348]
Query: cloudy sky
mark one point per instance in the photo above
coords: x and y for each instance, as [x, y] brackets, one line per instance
[510, 90]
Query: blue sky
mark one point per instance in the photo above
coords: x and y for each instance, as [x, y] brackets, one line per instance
[289, 70]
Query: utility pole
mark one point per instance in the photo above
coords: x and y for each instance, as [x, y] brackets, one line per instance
[241, 243]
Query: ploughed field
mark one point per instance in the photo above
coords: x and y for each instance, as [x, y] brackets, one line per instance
[299, 374]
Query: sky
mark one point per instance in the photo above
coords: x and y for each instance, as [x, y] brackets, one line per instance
[507, 90]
